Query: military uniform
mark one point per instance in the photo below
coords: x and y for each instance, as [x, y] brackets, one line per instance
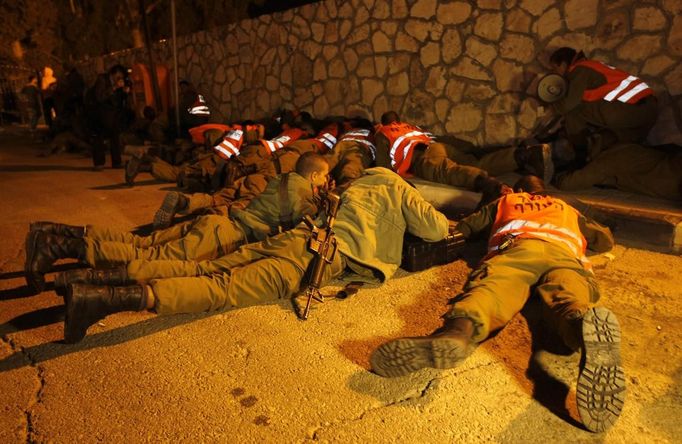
[209, 236]
[630, 167]
[535, 241]
[374, 214]
[353, 153]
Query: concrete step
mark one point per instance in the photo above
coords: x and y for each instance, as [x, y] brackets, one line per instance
[636, 221]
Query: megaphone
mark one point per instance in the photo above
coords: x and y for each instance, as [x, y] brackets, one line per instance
[551, 88]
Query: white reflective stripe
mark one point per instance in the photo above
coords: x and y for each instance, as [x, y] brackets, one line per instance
[520, 223]
[624, 84]
[234, 134]
[199, 110]
[356, 133]
[407, 149]
[328, 140]
[226, 149]
[394, 147]
[634, 91]
[270, 145]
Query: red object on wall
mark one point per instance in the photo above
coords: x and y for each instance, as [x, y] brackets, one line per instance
[143, 91]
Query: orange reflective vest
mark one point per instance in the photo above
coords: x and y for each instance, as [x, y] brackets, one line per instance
[197, 132]
[402, 139]
[326, 139]
[619, 84]
[362, 136]
[286, 138]
[199, 107]
[526, 215]
[234, 139]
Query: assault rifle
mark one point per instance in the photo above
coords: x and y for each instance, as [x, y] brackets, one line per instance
[323, 244]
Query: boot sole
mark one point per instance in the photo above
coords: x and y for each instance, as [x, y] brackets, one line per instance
[35, 283]
[403, 356]
[164, 215]
[601, 387]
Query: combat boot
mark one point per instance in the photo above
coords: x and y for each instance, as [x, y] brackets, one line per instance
[600, 390]
[133, 169]
[172, 204]
[536, 160]
[113, 276]
[59, 229]
[43, 250]
[87, 304]
[443, 349]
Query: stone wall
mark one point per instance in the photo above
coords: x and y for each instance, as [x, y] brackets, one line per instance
[467, 68]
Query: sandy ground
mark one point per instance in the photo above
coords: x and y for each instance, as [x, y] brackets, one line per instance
[260, 375]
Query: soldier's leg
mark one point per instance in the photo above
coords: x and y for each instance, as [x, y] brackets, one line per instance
[163, 170]
[498, 289]
[434, 165]
[207, 237]
[158, 237]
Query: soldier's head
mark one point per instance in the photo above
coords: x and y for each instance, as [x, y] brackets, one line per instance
[564, 57]
[530, 184]
[389, 117]
[313, 167]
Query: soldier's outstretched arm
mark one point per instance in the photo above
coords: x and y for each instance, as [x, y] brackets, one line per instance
[423, 220]
[478, 222]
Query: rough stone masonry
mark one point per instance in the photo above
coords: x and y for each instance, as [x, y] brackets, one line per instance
[467, 68]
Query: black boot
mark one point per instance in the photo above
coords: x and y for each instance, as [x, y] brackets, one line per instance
[172, 203]
[536, 160]
[600, 391]
[443, 349]
[42, 250]
[87, 304]
[113, 276]
[59, 229]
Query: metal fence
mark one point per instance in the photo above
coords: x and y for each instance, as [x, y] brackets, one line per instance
[12, 80]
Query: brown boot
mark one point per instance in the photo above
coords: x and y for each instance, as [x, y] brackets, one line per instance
[59, 229]
[87, 304]
[172, 204]
[443, 349]
[113, 276]
[43, 250]
[536, 160]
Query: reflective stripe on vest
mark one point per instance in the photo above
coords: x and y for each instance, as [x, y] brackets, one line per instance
[286, 138]
[619, 84]
[402, 138]
[199, 107]
[362, 136]
[327, 140]
[230, 144]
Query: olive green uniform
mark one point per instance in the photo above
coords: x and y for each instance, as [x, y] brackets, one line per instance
[348, 159]
[206, 237]
[374, 214]
[630, 167]
[497, 290]
[495, 163]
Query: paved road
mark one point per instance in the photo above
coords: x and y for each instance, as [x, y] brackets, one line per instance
[260, 375]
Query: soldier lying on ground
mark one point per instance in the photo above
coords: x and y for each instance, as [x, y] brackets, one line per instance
[538, 243]
[283, 204]
[348, 157]
[653, 171]
[375, 211]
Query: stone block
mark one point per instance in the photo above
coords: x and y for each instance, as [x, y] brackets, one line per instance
[319, 70]
[673, 81]
[417, 73]
[398, 84]
[272, 83]
[453, 13]
[424, 9]
[337, 69]
[435, 82]
[580, 14]
[549, 23]
[380, 64]
[454, 90]
[321, 106]
[468, 68]
[302, 68]
[358, 34]
[612, 29]
[300, 28]
[317, 30]
[330, 51]
[417, 29]
[452, 45]
[528, 113]
[418, 107]
[381, 42]
[675, 36]
[479, 92]
[442, 107]
[371, 89]
[639, 48]
[480, 51]
[361, 15]
[350, 58]
[399, 9]
[648, 18]
[500, 128]
[398, 63]
[517, 20]
[365, 67]
[674, 7]
[518, 47]
[508, 76]
[331, 33]
[344, 29]
[381, 10]
[404, 42]
[489, 26]
[536, 7]
[504, 104]
[430, 54]
[656, 65]
[464, 117]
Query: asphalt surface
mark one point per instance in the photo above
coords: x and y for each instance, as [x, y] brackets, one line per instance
[260, 375]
